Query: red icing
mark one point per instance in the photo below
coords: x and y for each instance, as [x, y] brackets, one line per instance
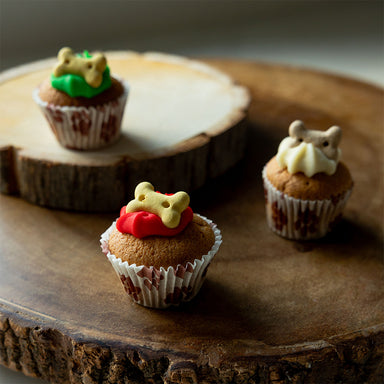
[142, 224]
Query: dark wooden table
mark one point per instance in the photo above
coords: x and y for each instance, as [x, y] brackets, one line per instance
[271, 310]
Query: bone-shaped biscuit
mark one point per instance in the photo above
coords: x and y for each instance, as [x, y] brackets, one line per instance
[168, 208]
[327, 141]
[90, 68]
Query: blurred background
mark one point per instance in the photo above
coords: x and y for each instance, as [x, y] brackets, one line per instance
[343, 37]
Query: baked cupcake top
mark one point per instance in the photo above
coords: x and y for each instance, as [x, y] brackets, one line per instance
[80, 80]
[307, 164]
[160, 230]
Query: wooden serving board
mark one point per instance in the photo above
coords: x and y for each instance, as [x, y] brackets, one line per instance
[184, 124]
[270, 311]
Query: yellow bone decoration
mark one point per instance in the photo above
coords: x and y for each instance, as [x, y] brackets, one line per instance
[91, 69]
[168, 208]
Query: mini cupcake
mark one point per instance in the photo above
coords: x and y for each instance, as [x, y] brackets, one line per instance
[82, 102]
[306, 187]
[159, 248]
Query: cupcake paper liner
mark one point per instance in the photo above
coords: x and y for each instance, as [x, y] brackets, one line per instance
[299, 219]
[160, 288]
[85, 128]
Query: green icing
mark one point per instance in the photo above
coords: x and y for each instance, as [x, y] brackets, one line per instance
[85, 54]
[76, 86]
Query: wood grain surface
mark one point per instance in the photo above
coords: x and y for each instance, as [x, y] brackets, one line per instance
[270, 311]
[184, 123]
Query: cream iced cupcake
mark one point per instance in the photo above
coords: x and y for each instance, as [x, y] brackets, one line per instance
[306, 186]
[159, 248]
[82, 102]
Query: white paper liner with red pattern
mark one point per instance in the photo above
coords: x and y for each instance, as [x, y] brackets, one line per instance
[298, 219]
[160, 288]
[85, 128]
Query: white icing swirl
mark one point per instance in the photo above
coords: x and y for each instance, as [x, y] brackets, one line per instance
[305, 158]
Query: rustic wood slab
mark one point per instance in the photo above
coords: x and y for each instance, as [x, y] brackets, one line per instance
[183, 125]
[271, 310]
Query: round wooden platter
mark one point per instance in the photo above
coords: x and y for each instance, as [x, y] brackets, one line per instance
[270, 311]
[183, 125]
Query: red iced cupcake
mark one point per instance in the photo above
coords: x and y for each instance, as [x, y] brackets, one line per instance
[159, 248]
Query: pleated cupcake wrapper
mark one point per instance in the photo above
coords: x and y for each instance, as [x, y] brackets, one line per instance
[160, 288]
[85, 128]
[301, 219]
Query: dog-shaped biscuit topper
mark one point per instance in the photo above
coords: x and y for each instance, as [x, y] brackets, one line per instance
[327, 141]
[91, 69]
[168, 208]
